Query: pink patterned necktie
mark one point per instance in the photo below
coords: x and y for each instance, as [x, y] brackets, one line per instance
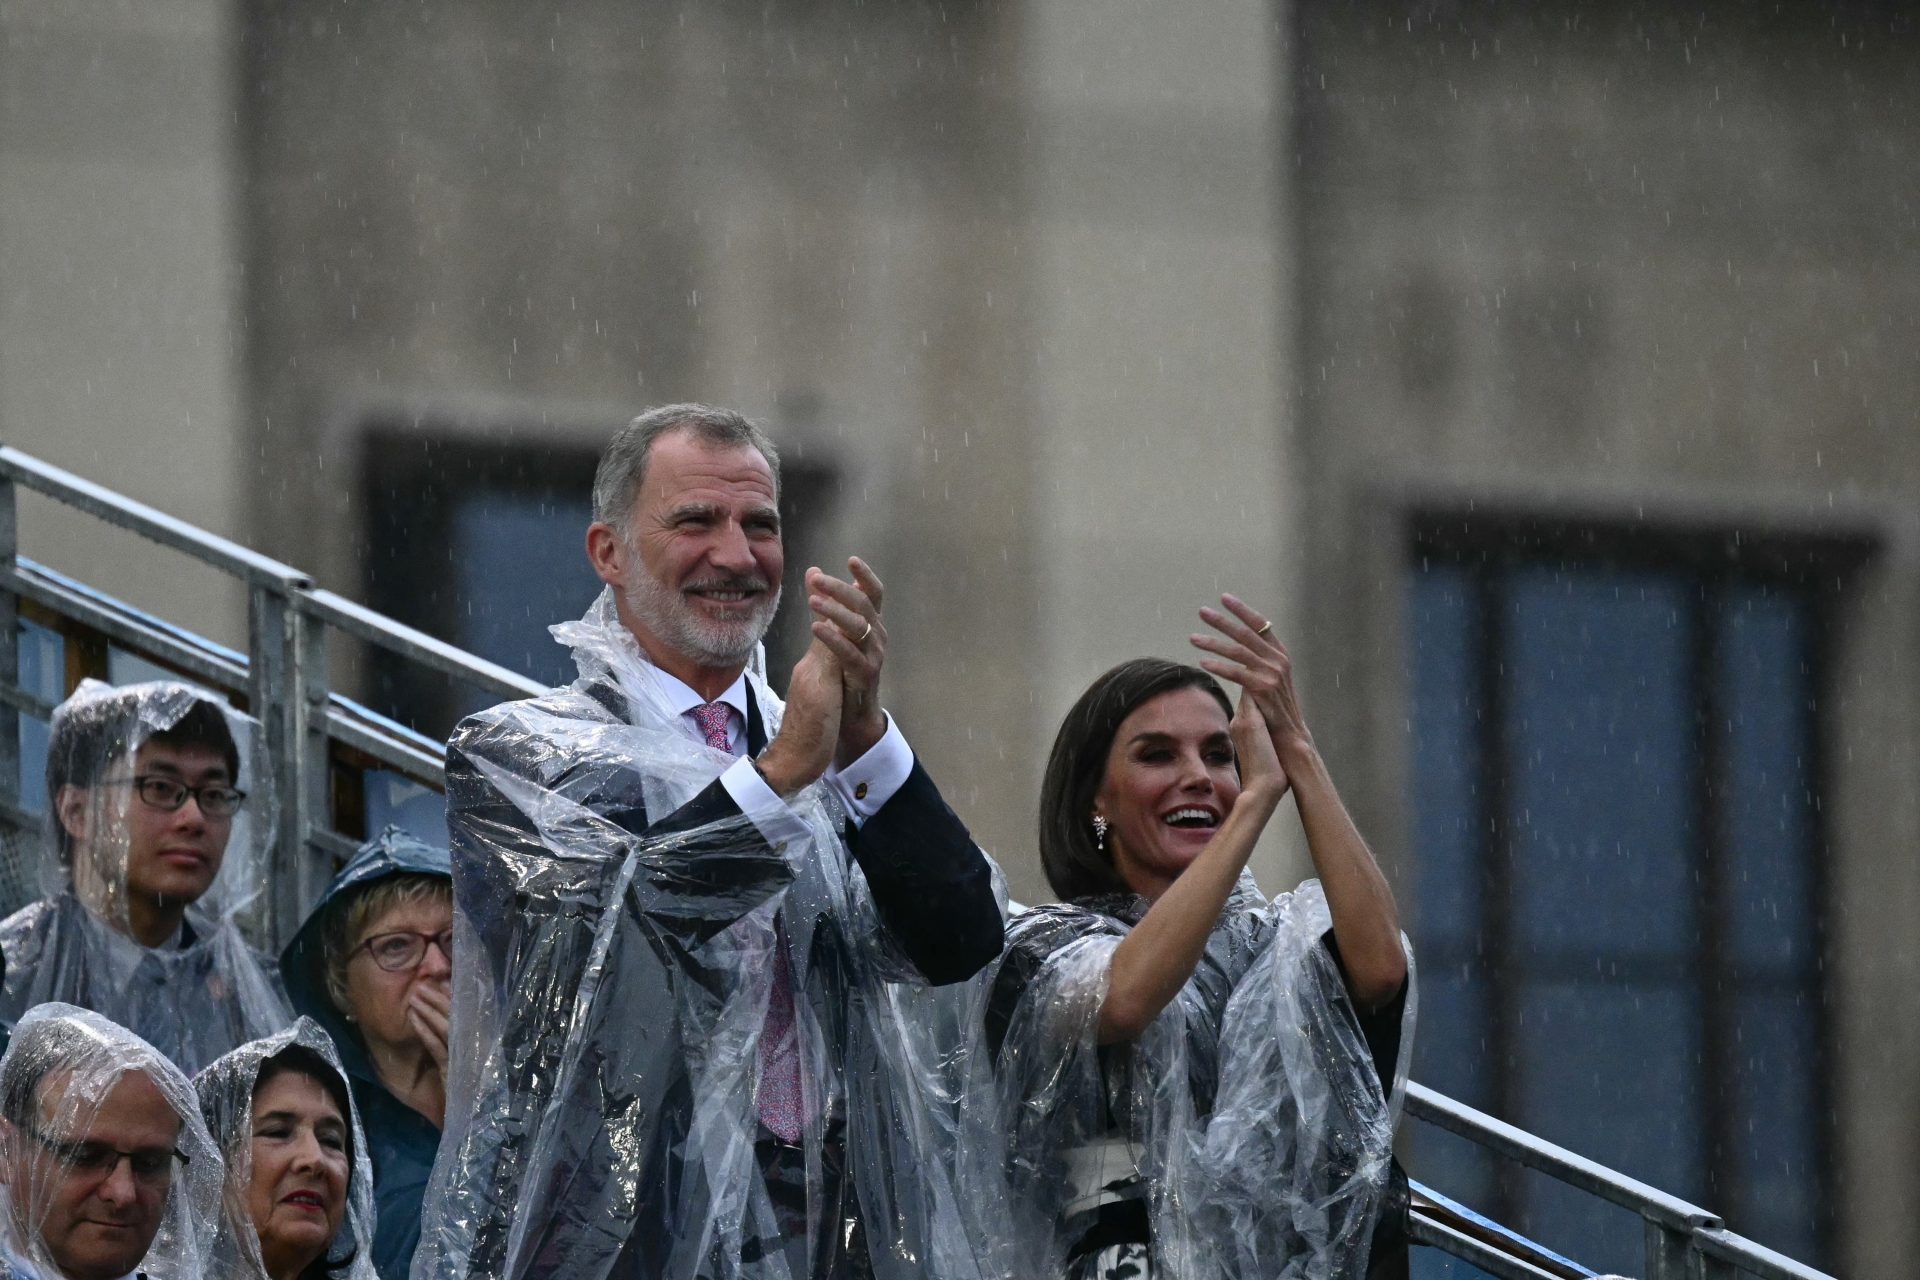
[716, 722]
[778, 1096]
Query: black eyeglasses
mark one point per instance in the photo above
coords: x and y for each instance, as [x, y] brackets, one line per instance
[405, 949]
[158, 791]
[150, 1166]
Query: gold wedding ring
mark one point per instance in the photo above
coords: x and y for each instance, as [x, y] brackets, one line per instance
[1263, 630]
[865, 634]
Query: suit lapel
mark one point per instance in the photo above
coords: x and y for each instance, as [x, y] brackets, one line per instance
[756, 728]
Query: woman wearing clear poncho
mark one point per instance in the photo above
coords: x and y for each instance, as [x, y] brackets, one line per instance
[1189, 1079]
[299, 1192]
[151, 854]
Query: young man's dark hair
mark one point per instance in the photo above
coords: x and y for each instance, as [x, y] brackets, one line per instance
[89, 738]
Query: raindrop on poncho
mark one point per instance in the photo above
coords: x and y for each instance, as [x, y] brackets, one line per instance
[226, 1100]
[62, 1066]
[612, 986]
[1247, 1130]
[203, 991]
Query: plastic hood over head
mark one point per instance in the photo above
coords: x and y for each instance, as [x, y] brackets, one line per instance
[114, 847]
[226, 1100]
[1249, 1119]
[617, 960]
[303, 964]
[73, 1085]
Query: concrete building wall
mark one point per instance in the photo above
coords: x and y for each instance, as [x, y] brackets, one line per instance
[119, 282]
[1012, 278]
[1160, 316]
[1655, 269]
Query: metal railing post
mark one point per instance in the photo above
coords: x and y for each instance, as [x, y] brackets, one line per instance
[287, 690]
[9, 647]
[1668, 1250]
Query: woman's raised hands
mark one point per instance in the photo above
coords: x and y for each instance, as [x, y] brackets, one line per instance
[1253, 751]
[1246, 653]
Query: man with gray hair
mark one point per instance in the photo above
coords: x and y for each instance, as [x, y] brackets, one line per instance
[698, 926]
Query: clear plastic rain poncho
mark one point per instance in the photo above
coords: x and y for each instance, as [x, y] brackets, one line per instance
[612, 983]
[64, 1064]
[226, 1100]
[205, 990]
[1249, 1119]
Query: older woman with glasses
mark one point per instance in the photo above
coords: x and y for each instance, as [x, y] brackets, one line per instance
[373, 965]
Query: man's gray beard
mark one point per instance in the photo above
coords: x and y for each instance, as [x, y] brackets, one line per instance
[665, 613]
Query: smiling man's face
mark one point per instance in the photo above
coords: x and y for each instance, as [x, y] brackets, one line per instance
[702, 573]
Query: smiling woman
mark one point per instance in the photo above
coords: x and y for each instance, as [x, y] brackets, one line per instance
[1189, 1078]
[296, 1160]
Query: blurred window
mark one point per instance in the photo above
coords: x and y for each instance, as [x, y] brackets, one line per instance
[1614, 786]
[479, 544]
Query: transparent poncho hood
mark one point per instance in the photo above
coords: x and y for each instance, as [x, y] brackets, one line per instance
[225, 1092]
[61, 1066]
[204, 990]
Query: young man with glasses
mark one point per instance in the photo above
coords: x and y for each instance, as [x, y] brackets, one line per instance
[101, 1146]
[144, 799]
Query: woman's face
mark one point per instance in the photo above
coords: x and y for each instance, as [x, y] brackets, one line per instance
[1170, 782]
[378, 998]
[299, 1189]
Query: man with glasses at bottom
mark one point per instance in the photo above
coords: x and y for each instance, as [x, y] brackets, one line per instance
[150, 855]
[106, 1168]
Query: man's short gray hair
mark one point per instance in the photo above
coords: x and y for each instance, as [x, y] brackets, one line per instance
[623, 466]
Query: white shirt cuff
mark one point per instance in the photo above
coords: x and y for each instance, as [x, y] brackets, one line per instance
[872, 780]
[762, 805]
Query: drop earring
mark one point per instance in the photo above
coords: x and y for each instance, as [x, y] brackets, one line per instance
[1099, 833]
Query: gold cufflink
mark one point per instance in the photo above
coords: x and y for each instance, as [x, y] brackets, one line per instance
[860, 792]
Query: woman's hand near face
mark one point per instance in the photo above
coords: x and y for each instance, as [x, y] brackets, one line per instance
[1155, 960]
[402, 1013]
[429, 1008]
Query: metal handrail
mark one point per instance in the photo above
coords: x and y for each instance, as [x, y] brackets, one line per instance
[376, 628]
[117, 509]
[283, 676]
[1682, 1239]
[1569, 1167]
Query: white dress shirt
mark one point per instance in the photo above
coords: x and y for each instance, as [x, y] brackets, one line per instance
[862, 786]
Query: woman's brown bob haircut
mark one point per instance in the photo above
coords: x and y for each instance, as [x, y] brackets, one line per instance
[1075, 866]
